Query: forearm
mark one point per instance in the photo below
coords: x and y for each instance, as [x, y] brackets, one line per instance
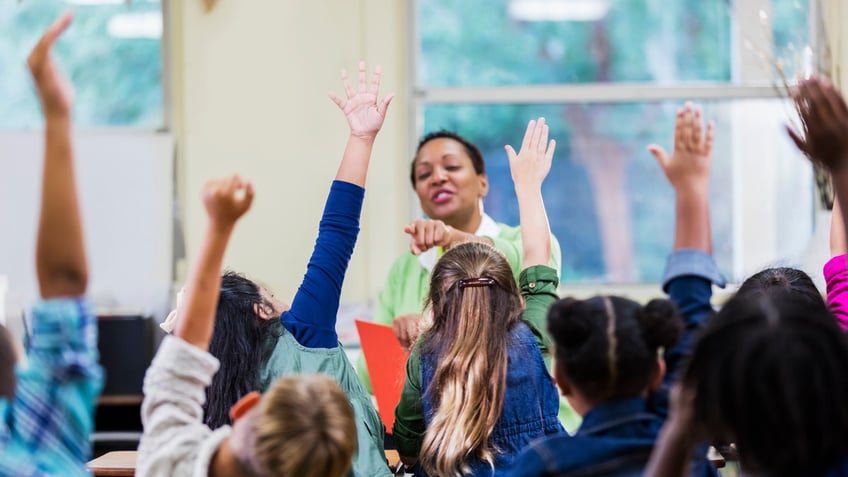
[535, 231]
[670, 457]
[197, 322]
[60, 250]
[354, 165]
[692, 219]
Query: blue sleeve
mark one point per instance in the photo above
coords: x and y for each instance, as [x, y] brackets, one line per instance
[312, 317]
[527, 464]
[688, 280]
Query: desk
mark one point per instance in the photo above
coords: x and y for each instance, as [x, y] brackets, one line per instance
[119, 463]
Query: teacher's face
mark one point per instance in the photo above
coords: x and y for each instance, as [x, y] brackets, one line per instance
[447, 185]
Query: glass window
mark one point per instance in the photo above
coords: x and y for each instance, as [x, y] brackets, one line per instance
[112, 53]
[614, 72]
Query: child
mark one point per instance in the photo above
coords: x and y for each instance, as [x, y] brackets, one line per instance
[768, 372]
[607, 360]
[477, 389]
[300, 427]
[46, 417]
[257, 338]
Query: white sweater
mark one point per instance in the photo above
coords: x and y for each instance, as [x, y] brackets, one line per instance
[175, 440]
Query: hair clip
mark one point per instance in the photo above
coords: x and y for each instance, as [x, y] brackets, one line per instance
[476, 282]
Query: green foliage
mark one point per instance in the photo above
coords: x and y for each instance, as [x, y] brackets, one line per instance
[118, 82]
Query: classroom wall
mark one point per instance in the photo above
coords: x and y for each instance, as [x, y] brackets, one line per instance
[249, 95]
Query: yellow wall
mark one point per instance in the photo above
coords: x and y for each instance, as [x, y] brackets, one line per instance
[250, 82]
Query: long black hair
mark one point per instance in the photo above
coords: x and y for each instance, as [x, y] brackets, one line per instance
[242, 342]
[782, 280]
[607, 346]
[769, 373]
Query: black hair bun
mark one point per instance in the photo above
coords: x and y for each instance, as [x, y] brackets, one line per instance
[661, 323]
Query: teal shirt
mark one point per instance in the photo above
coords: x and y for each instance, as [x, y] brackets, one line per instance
[290, 357]
[408, 282]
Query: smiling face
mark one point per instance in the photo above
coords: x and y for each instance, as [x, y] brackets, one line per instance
[448, 186]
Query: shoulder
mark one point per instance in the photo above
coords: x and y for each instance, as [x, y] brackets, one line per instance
[543, 456]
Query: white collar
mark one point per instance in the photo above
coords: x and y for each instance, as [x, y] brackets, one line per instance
[488, 228]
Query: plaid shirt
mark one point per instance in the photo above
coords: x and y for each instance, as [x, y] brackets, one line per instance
[46, 430]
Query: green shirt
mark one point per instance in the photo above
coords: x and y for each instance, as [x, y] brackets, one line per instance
[290, 357]
[538, 285]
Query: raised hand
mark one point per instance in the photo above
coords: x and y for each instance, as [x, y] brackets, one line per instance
[689, 164]
[426, 234]
[824, 119]
[227, 199]
[533, 162]
[363, 112]
[54, 90]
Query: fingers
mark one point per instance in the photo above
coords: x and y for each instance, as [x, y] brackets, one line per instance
[686, 124]
[384, 105]
[346, 81]
[363, 81]
[42, 49]
[540, 129]
[697, 126]
[708, 139]
[510, 153]
[679, 121]
[659, 154]
[337, 100]
[528, 134]
[549, 155]
[375, 81]
[797, 139]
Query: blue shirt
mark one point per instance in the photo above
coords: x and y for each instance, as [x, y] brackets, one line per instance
[616, 437]
[46, 430]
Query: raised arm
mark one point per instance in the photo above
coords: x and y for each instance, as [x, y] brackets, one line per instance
[225, 200]
[689, 275]
[824, 140]
[312, 317]
[529, 168]
[365, 117]
[60, 250]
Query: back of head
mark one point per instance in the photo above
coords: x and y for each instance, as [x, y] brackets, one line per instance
[607, 346]
[305, 428]
[473, 152]
[769, 374]
[241, 342]
[475, 303]
[782, 280]
[8, 359]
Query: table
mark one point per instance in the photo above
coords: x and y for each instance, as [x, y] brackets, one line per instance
[115, 463]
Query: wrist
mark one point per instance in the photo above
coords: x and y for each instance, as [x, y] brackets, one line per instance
[221, 227]
[365, 138]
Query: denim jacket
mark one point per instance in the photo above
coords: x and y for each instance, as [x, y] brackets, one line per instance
[530, 404]
[616, 437]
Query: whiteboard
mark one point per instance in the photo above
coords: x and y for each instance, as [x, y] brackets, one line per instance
[126, 184]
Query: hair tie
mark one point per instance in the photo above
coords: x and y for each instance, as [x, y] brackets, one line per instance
[476, 282]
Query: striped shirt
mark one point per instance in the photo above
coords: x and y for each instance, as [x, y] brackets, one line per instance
[46, 430]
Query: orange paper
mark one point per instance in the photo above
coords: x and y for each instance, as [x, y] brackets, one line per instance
[386, 362]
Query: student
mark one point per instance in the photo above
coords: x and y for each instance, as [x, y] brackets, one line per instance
[47, 405]
[477, 389]
[607, 359]
[449, 176]
[301, 426]
[768, 372]
[258, 338]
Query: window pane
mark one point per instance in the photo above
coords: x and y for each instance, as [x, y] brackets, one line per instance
[790, 27]
[610, 205]
[509, 42]
[112, 53]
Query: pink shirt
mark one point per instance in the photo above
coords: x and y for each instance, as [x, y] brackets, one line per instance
[836, 277]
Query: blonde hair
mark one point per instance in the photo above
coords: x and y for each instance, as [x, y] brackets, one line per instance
[305, 428]
[468, 341]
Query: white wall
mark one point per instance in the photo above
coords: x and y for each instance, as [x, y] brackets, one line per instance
[250, 83]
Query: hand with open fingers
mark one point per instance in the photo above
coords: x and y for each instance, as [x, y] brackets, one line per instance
[54, 90]
[227, 199]
[531, 164]
[824, 119]
[407, 328]
[689, 163]
[426, 234]
[364, 113]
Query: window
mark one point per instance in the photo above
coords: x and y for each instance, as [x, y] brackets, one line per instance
[112, 53]
[608, 76]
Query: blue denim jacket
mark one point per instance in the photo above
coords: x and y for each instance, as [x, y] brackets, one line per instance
[616, 438]
[530, 408]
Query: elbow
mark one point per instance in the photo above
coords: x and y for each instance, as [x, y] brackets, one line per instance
[63, 281]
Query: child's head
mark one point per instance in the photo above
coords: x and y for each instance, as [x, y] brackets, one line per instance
[475, 303]
[8, 359]
[246, 323]
[302, 426]
[607, 347]
[768, 373]
[782, 280]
